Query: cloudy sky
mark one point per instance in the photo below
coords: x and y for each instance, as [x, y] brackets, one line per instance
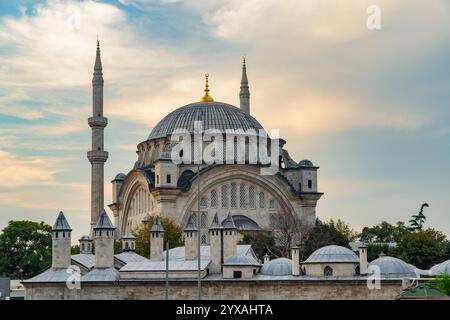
[371, 108]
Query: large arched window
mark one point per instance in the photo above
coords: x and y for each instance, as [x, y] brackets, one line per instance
[224, 196]
[203, 239]
[242, 195]
[251, 197]
[213, 199]
[233, 195]
[328, 271]
[262, 200]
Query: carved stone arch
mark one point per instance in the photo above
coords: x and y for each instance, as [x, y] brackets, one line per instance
[134, 182]
[217, 176]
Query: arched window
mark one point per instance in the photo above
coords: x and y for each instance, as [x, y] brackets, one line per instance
[82, 246]
[262, 200]
[224, 196]
[203, 239]
[233, 195]
[194, 218]
[213, 199]
[203, 202]
[203, 221]
[242, 195]
[357, 271]
[127, 247]
[251, 197]
[328, 271]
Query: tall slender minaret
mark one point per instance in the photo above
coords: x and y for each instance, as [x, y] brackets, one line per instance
[244, 94]
[97, 156]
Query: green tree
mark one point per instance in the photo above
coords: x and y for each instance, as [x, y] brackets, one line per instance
[25, 248]
[172, 233]
[374, 250]
[262, 243]
[442, 283]
[75, 249]
[384, 232]
[422, 248]
[418, 220]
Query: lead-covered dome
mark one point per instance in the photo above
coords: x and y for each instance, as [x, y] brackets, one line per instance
[391, 267]
[331, 254]
[441, 268]
[277, 267]
[215, 115]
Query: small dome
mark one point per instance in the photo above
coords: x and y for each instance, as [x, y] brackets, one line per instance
[277, 267]
[241, 261]
[85, 238]
[441, 268]
[333, 253]
[305, 163]
[120, 176]
[391, 267]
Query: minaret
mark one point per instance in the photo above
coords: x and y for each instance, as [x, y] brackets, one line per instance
[244, 94]
[61, 243]
[97, 156]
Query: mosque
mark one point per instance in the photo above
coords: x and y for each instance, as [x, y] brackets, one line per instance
[214, 203]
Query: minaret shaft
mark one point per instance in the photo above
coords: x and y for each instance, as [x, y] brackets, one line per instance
[97, 156]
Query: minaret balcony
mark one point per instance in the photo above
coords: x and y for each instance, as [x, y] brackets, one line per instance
[97, 156]
[98, 122]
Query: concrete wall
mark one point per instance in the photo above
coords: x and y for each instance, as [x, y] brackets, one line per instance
[220, 289]
[247, 271]
[339, 269]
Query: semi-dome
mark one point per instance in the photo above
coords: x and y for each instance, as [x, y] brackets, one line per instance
[215, 115]
[391, 267]
[277, 267]
[331, 254]
[441, 268]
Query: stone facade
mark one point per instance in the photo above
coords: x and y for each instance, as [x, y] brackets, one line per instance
[220, 289]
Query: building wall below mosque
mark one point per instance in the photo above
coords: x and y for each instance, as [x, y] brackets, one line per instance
[220, 289]
[338, 269]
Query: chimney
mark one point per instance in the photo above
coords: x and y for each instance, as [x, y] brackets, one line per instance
[266, 258]
[215, 245]
[104, 242]
[85, 245]
[229, 238]
[191, 240]
[128, 243]
[295, 255]
[362, 249]
[156, 240]
[61, 243]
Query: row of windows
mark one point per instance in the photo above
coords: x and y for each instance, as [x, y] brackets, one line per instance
[254, 199]
[168, 178]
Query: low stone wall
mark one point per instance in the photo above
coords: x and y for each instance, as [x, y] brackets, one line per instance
[218, 289]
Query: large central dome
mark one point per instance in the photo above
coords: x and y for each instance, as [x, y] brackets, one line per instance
[215, 115]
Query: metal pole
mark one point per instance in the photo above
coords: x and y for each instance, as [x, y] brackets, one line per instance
[198, 234]
[167, 270]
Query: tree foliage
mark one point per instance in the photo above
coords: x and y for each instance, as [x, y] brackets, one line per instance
[25, 248]
[422, 248]
[384, 232]
[172, 233]
[417, 221]
[442, 283]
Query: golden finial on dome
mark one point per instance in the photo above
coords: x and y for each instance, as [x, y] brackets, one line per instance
[207, 97]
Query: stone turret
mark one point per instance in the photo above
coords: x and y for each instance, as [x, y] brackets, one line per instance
[215, 240]
[157, 240]
[97, 156]
[229, 237]
[362, 249]
[295, 255]
[104, 242]
[61, 243]
[85, 244]
[244, 93]
[191, 240]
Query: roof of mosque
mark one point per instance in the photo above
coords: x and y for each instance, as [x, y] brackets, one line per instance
[129, 256]
[100, 275]
[61, 223]
[277, 267]
[214, 115]
[333, 253]
[160, 265]
[241, 260]
[51, 275]
[87, 260]
[391, 267]
[178, 253]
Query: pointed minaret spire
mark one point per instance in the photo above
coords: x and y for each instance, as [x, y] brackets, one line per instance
[97, 156]
[244, 93]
